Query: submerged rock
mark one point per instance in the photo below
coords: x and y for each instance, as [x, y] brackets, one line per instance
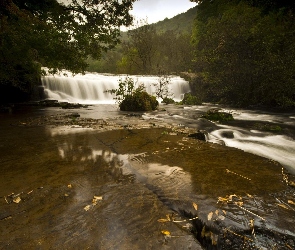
[200, 135]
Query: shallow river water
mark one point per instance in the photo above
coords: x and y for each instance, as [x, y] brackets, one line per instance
[71, 187]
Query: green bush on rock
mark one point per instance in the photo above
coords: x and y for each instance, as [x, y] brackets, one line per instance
[216, 115]
[168, 100]
[133, 99]
[190, 99]
[139, 101]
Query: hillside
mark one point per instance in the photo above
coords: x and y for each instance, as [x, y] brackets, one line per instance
[181, 23]
[170, 51]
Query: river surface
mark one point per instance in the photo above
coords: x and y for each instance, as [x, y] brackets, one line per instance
[75, 187]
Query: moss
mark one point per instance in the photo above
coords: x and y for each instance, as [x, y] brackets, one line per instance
[216, 115]
[268, 127]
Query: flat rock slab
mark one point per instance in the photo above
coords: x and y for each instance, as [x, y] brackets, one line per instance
[155, 188]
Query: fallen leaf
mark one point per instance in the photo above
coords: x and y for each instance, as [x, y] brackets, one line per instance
[17, 200]
[291, 202]
[222, 199]
[87, 207]
[216, 212]
[210, 215]
[283, 206]
[221, 217]
[249, 195]
[168, 217]
[163, 220]
[195, 206]
[224, 211]
[98, 198]
[239, 203]
[165, 232]
[70, 186]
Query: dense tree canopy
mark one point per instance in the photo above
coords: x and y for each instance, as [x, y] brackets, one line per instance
[244, 52]
[151, 48]
[49, 33]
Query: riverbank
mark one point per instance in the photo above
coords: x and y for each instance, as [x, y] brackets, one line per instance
[87, 178]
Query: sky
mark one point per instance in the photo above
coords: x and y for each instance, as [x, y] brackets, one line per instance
[158, 10]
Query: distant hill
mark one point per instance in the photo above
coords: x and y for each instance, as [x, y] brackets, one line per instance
[181, 23]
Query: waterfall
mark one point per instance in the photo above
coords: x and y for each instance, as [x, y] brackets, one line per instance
[90, 88]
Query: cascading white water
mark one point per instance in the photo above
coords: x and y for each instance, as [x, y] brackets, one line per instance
[90, 88]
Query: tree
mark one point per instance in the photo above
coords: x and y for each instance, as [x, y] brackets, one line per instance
[55, 35]
[142, 45]
[244, 55]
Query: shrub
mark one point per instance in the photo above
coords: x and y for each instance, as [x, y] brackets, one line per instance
[168, 100]
[190, 99]
[216, 115]
[139, 101]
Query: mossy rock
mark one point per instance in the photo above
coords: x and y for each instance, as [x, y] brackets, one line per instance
[268, 127]
[139, 101]
[217, 115]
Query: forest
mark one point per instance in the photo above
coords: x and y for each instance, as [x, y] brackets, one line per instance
[237, 52]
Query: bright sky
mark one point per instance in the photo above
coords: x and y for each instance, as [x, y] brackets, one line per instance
[158, 10]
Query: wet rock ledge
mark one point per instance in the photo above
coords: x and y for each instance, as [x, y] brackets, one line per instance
[223, 197]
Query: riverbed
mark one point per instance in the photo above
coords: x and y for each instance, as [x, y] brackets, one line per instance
[120, 180]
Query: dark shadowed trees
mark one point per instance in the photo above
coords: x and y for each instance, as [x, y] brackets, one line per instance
[59, 36]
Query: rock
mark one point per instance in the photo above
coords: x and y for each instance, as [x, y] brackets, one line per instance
[200, 135]
[74, 115]
[227, 134]
[217, 115]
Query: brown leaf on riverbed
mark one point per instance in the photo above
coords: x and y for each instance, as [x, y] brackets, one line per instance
[17, 199]
[165, 232]
[291, 202]
[195, 206]
[283, 206]
[221, 199]
[87, 207]
[210, 216]
[221, 217]
[163, 220]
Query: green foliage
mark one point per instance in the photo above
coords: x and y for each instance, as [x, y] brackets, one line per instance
[190, 99]
[162, 87]
[168, 101]
[131, 98]
[139, 101]
[244, 55]
[147, 48]
[55, 35]
[216, 115]
[181, 23]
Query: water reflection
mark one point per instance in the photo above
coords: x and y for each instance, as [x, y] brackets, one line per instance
[136, 165]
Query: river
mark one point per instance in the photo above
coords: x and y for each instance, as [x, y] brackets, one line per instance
[121, 180]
